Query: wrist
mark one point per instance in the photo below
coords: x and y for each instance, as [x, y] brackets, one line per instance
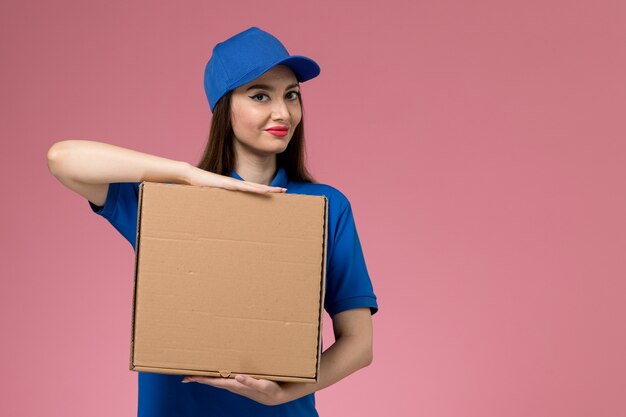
[185, 172]
[294, 390]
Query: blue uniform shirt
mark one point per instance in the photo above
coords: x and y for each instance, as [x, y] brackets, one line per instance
[348, 286]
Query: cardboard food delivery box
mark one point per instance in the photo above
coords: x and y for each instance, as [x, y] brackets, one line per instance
[228, 282]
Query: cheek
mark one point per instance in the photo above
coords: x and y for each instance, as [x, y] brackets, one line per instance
[296, 120]
[296, 114]
[244, 121]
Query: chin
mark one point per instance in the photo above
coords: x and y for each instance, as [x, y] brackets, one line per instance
[271, 150]
[278, 147]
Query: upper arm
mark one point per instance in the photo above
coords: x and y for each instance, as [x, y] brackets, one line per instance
[348, 285]
[354, 326]
[96, 193]
[356, 323]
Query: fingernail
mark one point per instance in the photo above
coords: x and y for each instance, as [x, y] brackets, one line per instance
[185, 380]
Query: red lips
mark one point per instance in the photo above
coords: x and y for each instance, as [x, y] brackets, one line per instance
[278, 128]
[280, 131]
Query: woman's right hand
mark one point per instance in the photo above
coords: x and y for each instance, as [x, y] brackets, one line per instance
[88, 167]
[200, 177]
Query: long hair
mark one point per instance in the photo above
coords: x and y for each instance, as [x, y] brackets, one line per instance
[219, 154]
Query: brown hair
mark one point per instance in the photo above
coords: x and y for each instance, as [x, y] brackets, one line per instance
[219, 154]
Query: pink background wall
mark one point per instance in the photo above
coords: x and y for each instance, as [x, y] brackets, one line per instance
[481, 143]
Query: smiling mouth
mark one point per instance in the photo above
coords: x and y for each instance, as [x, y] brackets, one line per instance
[277, 132]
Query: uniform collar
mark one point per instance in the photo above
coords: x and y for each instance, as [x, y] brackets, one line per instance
[280, 179]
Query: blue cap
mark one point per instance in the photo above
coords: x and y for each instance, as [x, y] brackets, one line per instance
[246, 56]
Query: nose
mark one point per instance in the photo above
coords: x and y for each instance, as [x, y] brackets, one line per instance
[280, 111]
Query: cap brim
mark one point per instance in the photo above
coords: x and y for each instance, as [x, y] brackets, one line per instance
[304, 68]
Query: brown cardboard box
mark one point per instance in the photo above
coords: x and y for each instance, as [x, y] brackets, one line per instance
[228, 282]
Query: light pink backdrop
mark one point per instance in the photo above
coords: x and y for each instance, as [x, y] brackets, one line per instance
[481, 143]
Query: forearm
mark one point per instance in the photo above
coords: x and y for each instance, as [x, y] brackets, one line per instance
[93, 162]
[347, 355]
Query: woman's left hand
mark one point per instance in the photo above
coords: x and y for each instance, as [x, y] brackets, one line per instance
[260, 390]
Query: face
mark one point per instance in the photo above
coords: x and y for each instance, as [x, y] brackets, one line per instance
[270, 101]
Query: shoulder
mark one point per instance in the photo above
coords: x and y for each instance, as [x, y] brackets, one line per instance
[120, 208]
[337, 200]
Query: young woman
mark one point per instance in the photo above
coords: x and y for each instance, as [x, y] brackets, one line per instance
[256, 144]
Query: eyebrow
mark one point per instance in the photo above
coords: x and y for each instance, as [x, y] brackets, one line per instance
[269, 88]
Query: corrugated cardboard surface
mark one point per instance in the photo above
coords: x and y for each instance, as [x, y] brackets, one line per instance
[229, 282]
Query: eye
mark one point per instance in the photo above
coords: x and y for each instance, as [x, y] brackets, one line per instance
[254, 97]
[295, 95]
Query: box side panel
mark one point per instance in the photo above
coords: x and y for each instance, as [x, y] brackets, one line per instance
[229, 280]
[137, 236]
[322, 291]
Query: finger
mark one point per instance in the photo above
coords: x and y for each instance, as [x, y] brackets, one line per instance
[229, 384]
[253, 187]
[250, 382]
[260, 190]
[215, 381]
[259, 187]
